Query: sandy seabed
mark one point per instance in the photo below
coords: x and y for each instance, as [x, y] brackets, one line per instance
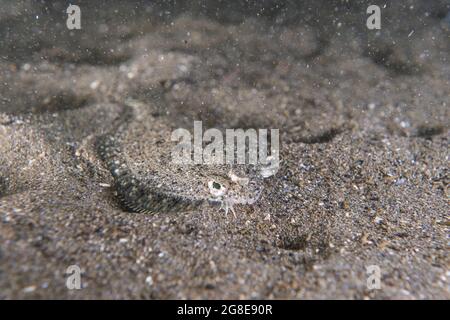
[363, 118]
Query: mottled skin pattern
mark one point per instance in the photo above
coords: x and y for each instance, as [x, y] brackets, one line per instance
[132, 193]
[138, 196]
